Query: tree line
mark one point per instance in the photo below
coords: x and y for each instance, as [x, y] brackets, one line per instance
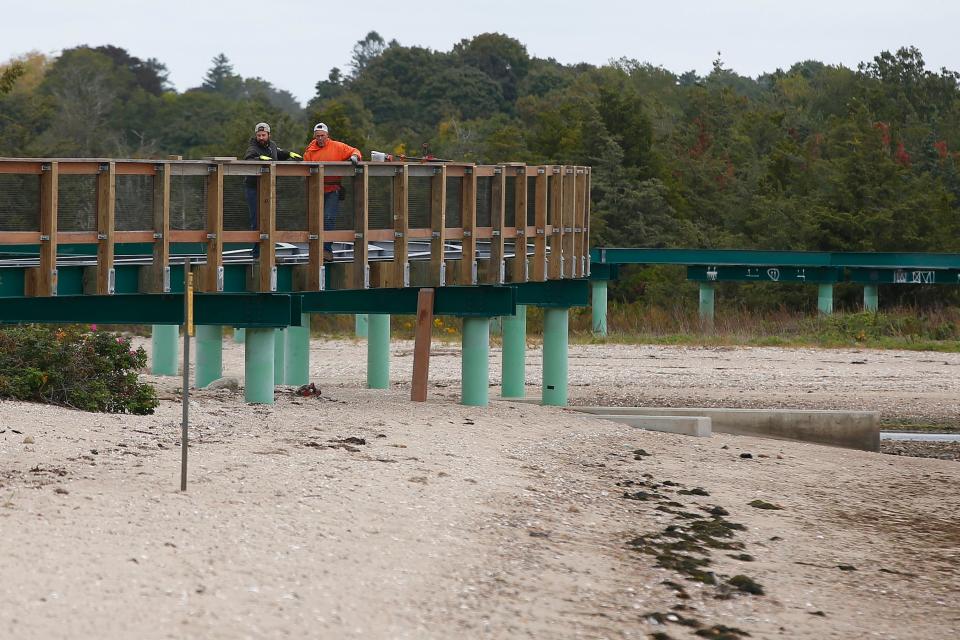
[815, 157]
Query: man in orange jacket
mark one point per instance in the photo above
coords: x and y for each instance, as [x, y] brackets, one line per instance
[323, 149]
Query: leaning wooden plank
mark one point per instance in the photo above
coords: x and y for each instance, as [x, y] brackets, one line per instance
[579, 265]
[421, 345]
[159, 279]
[314, 280]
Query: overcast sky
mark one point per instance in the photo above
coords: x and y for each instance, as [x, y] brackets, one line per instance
[294, 43]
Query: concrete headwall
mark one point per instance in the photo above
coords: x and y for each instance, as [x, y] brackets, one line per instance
[849, 429]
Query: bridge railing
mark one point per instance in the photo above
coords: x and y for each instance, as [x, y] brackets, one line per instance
[430, 224]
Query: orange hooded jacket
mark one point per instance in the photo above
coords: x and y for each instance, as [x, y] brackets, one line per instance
[333, 151]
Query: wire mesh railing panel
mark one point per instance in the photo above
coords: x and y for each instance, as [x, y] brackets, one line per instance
[345, 215]
[19, 202]
[510, 202]
[418, 207]
[484, 201]
[188, 203]
[133, 210]
[236, 210]
[380, 202]
[292, 203]
[77, 203]
[454, 214]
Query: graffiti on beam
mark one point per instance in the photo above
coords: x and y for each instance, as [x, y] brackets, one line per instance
[773, 273]
[915, 277]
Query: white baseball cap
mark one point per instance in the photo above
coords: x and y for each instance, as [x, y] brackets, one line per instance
[320, 127]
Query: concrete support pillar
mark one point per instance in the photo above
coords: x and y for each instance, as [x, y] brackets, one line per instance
[360, 322]
[378, 351]
[513, 360]
[297, 356]
[825, 299]
[164, 340]
[258, 365]
[599, 306]
[279, 355]
[238, 335]
[209, 354]
[475, 362]
[706, 301]
[555, 344]
[871, 298]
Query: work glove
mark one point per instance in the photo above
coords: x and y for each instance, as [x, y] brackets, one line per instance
[267, 158]
[355, 160]
[295, 156]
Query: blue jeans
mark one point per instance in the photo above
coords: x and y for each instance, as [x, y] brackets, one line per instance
[331, 207]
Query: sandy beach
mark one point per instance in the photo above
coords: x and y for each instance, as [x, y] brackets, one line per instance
[359, 514]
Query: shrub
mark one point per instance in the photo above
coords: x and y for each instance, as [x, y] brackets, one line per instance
[74, 367]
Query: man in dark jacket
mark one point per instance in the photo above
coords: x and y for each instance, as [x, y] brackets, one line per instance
[262, 148]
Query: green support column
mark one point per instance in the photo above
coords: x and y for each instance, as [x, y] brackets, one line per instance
[360, 322]
[706, 301]
[475, 362]
[496, 326]
[825, 299]
[238, 335]
[513, 363]
[258, 365]
[378, 351]
[599, 305]
[871, 299]
[297, 356]
[279, 351]
[209, 354]
[164, 340]
[555, 324]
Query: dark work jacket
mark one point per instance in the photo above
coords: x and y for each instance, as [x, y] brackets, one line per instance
[255, 150]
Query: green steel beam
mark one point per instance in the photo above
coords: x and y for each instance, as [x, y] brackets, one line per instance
[557, 294]
[479, 302]
[773, 273]
[904, 276]
[616, 255]
[763, 258]
[238, 310]
[604, 271]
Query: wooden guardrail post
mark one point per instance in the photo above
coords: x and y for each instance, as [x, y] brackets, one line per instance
[361, 228]
[588, 173]
[555, 271]
[567, 216]
[315, 279]
[211, 274]
[401, 228]
[42, 280]
[438, 231]
[579, 224]
[495, 269]
[468, 208]
[540, 223]
[155, 278]
[519, 271]
[106, 209]
[266, 268]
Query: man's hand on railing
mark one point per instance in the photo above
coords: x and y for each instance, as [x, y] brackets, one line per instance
[267, 158]
[355, 159]
[295, 156]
